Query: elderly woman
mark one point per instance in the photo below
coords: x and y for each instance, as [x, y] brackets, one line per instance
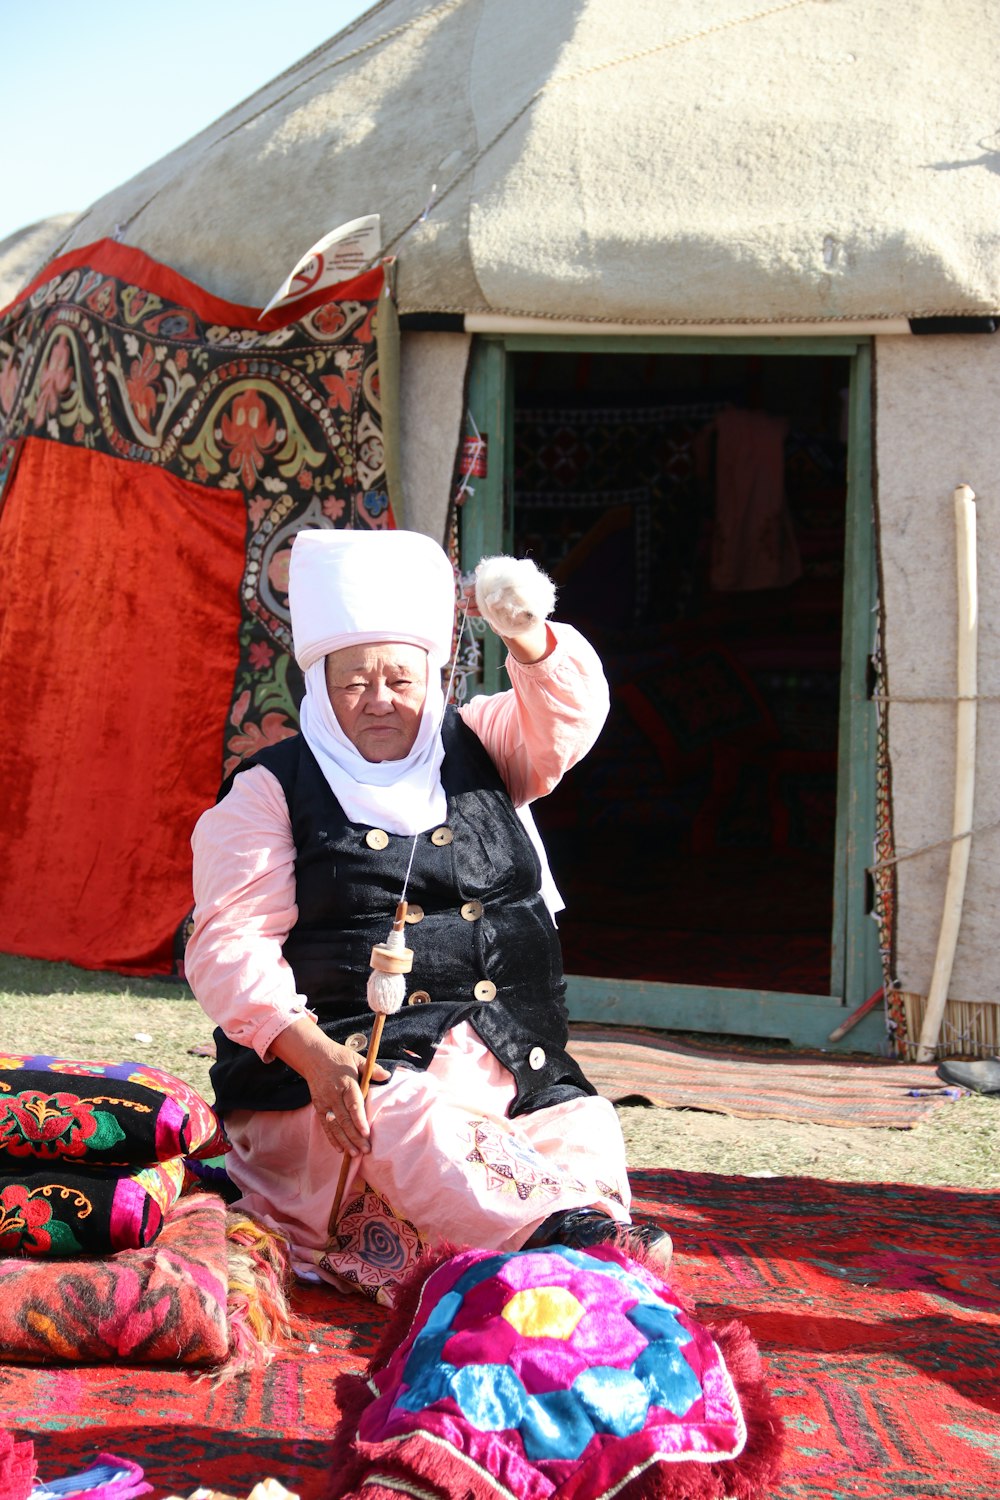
[479, 1128]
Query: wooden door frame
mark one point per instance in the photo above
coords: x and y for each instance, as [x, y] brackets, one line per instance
[487, 528]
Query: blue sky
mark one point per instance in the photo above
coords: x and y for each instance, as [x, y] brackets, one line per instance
[95, 90]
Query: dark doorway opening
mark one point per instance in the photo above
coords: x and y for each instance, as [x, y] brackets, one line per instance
[692, 510]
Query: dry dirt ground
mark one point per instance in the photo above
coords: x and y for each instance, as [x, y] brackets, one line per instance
[57, 1009]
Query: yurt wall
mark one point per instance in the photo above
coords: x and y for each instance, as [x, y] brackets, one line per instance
[937, 400]
[24, 252]
[590, 178]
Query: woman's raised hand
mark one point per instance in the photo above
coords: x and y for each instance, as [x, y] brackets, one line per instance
[515, 598]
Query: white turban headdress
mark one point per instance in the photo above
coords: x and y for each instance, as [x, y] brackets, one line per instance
[350, 587]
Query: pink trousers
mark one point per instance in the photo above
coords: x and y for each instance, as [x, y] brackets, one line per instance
[446, 1164]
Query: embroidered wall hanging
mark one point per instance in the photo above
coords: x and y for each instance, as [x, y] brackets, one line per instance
[159, 448]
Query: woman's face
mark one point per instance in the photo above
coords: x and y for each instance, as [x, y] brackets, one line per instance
[378, 693]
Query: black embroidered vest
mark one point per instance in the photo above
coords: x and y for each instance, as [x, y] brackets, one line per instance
[485, 948]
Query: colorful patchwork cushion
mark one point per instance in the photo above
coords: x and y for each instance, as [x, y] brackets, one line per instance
[60, 1210]
[555, 1371]
[52, 1110]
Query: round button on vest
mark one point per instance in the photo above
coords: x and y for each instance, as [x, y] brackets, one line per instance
[442, 837]
[485, 990]
[419, 997]
[536, 1058]
[376, 838]
[415, 913]
[472, 910]
[357, 1041]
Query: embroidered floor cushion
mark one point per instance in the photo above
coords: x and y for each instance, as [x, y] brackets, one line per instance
[99, 1113]
[555, 1372]
[69, 1210]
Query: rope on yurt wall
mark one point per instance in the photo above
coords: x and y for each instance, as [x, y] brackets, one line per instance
[953, 838]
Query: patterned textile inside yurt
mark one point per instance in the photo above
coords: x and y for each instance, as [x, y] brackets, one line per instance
[692, 511]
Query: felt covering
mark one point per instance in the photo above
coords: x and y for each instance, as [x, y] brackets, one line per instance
[431, 393]
[609, 159]
[158, 450]
[99, 1112]
[22, 252]
[210, 1291]
[932, 434]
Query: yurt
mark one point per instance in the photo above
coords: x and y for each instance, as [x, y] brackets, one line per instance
[693, 303]
[24, 251]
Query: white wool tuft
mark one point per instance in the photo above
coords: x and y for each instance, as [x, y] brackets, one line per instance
[512, 594]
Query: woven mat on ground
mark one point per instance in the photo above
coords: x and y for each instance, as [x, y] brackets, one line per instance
[206, 1292]
[877, 1310]
[625, 1063]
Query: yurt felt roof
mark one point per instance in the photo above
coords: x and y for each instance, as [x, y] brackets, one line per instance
[612, 160]
[22, 252]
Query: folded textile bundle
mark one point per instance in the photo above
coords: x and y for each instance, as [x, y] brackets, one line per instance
[554, 1372]
[110, 1478]
[127, 1112]
[73, 1211]
[211, 1292]
[92, 1154]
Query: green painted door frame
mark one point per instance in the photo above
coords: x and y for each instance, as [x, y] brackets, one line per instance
[487, 528]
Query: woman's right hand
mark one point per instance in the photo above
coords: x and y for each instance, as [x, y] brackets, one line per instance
[333, 1075]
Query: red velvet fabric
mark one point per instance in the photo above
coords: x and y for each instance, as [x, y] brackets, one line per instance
[112, 740]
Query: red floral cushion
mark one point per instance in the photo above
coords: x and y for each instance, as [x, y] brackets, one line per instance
[99, 1113]
[61, 1210]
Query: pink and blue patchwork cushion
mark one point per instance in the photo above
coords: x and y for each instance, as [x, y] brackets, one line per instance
[556, 1372]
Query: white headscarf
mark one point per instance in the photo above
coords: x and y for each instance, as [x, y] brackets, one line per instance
[351, 588]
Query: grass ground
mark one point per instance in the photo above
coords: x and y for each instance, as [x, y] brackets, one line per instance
[58, 1009]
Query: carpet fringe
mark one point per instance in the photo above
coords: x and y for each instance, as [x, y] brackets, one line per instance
[261, 1322]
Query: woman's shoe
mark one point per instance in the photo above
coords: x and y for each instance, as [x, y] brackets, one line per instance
[654, 1239]
[581, 1227]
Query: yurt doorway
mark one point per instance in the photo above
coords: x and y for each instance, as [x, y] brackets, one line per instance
[693, 510]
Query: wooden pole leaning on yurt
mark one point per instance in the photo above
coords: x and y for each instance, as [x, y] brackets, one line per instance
[965, 771]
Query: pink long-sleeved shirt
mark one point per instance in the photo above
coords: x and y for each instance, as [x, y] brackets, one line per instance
[244, 857]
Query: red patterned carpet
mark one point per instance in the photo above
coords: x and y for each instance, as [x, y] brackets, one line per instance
[877, 1309]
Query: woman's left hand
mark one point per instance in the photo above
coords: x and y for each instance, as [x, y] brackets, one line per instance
[531, 645]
